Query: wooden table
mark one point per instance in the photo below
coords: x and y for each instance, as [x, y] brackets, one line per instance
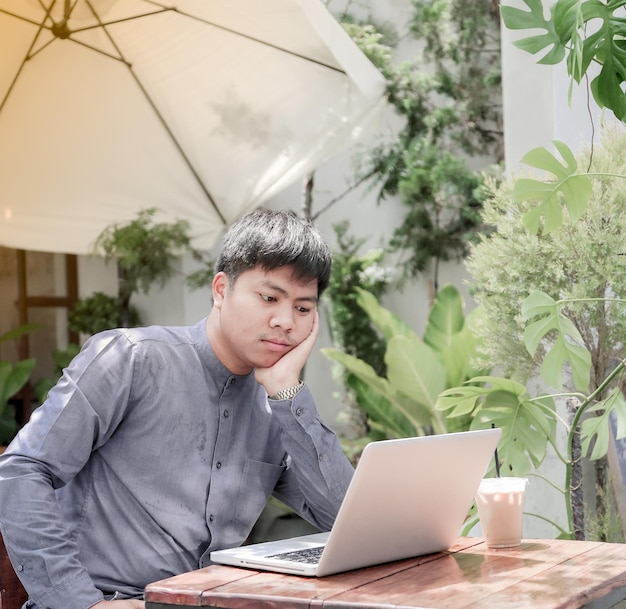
[542, 574]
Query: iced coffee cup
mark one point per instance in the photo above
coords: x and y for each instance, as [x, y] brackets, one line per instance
[500, 503]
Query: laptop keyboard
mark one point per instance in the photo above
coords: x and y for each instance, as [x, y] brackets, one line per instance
[306, 555]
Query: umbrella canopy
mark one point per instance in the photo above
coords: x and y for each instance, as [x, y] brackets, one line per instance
[203, 109]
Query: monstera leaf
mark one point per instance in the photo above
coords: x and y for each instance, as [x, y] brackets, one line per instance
[598, 427]
[587, 31]
[527, 425]
[518, 19]
[572, 188]
[564, 348]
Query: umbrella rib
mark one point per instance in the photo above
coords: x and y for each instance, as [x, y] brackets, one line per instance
[28, 56]
[258, 40]
[160, 117]
[116, 21]
[164, 9]
[177, 144]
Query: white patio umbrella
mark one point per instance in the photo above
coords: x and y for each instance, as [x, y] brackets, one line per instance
[201, 108]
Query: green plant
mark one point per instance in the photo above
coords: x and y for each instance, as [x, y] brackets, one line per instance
[569, 329]
[582, 31]
[144, 252]
[450, 111]
[402, 403]
[99, 312]
[350, 327]
[13, 377]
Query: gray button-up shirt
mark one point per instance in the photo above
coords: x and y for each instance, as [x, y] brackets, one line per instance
[147, 455]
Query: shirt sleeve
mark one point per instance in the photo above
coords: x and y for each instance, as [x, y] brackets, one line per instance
[47, 453]
[318, 473]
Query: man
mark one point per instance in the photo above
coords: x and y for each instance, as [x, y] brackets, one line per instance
[161, 444]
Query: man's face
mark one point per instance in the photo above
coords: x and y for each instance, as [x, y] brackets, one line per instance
[262, 316]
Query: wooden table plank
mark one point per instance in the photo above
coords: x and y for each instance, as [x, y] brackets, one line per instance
[465, 579]
[587, 577]
[557, 574]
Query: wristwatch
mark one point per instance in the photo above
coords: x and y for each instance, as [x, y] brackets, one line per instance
[287, 394]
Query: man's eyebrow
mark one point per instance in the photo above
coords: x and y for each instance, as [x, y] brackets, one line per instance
[283, 292]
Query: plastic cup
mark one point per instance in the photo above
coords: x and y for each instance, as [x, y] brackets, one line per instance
[500, 503]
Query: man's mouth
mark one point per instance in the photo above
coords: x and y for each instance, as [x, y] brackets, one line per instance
[276, 344]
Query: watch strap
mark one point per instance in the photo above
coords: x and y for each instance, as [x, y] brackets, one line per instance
[289, 393]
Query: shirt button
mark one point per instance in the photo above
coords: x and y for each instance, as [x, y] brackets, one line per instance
[226, 414]
[211, 518]
[298, 411]
[218, 465]
[20, 567]
[233, 381]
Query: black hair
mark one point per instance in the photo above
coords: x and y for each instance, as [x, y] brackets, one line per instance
[270, 239]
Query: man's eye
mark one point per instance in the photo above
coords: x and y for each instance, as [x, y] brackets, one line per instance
[303, 309]
[268, 298]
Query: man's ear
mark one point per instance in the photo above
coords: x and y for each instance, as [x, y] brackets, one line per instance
[219, 287]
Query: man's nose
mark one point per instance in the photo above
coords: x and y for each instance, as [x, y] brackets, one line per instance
[283, 317]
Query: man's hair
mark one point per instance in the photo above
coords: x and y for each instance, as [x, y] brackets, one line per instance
[270, 239]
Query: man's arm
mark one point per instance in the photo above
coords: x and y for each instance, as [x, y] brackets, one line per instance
[316, 481]
[44, 456]
[318, 472]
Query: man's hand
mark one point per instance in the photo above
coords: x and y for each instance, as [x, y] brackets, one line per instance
[124, 603]
[286, 371]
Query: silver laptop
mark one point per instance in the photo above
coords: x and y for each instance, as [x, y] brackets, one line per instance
[408, 497]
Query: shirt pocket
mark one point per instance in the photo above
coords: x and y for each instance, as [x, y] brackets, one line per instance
[257, 483]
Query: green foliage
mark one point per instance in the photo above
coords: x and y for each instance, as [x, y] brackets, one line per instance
[443, 207]
[527, 425]
[596, 430]
[403, 403]
[462, 39]
[577, 270]
[371, 42]
[554, 299]
[583, 32]
[570, 188]
[203, 277]
[99, 312]
[566, 347]
[13, 377]
[144, 252]
[350, 328]
[19, 331]
[450, 110]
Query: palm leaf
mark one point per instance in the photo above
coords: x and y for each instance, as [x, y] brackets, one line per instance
[387, 322]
